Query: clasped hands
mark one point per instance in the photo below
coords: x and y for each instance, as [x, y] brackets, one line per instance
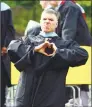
[46, 48]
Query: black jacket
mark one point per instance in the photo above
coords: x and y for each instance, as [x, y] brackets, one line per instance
[42, 78]
[71, 24]
[7, 34]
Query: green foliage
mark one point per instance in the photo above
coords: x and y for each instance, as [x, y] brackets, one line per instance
[84, 2]
[20, 18]
[12, 4]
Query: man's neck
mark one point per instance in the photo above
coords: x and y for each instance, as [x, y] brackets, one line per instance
[48, 34]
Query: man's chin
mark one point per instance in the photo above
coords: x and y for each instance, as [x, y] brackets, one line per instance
[47, 31]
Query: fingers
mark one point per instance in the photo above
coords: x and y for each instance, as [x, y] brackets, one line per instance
[43, 45]
[42, 51]
[54, 46]
[41, 48]
[37, 48]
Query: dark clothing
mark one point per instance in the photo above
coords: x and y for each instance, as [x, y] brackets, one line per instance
[32, 32]
[84, 87]
[3, 84]
[7, 34]
[5, 70]
[42, 78]
[72, 25]
[7, 29]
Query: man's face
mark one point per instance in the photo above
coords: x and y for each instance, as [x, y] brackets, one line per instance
[43, 3]
[48, 22]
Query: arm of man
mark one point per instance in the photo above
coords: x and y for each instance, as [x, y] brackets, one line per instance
[25, 61]
[72, 55]
[20, 54]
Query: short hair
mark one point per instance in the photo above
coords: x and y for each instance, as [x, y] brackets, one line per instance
[52, 11]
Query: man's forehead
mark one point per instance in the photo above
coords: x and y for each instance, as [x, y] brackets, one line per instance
[48, 14]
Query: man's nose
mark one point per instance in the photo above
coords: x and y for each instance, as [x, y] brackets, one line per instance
[47, 21]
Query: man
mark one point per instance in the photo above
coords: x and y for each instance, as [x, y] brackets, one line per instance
[72, 25]
[44, 65]
[7, 34]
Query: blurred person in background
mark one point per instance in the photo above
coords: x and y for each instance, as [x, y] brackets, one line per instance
[84, 88]
[7, 34]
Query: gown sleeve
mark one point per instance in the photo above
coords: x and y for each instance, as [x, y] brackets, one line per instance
[20, 54]
[72, 55]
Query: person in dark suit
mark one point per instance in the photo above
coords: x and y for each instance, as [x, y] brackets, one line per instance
[7, 34]
[72, 25]
[44, 65]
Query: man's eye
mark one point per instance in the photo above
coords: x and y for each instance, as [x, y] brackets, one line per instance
[44, 19]
[51, 19]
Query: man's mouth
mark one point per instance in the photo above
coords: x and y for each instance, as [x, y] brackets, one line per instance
[46, 26]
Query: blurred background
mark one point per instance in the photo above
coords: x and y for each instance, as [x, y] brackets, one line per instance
[23, 11]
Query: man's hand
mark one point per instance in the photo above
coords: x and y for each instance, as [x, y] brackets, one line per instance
[3, 51]
[54, 49]
[44, 46]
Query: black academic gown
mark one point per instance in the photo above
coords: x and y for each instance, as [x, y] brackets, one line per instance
[71, 25]
[42, 79]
